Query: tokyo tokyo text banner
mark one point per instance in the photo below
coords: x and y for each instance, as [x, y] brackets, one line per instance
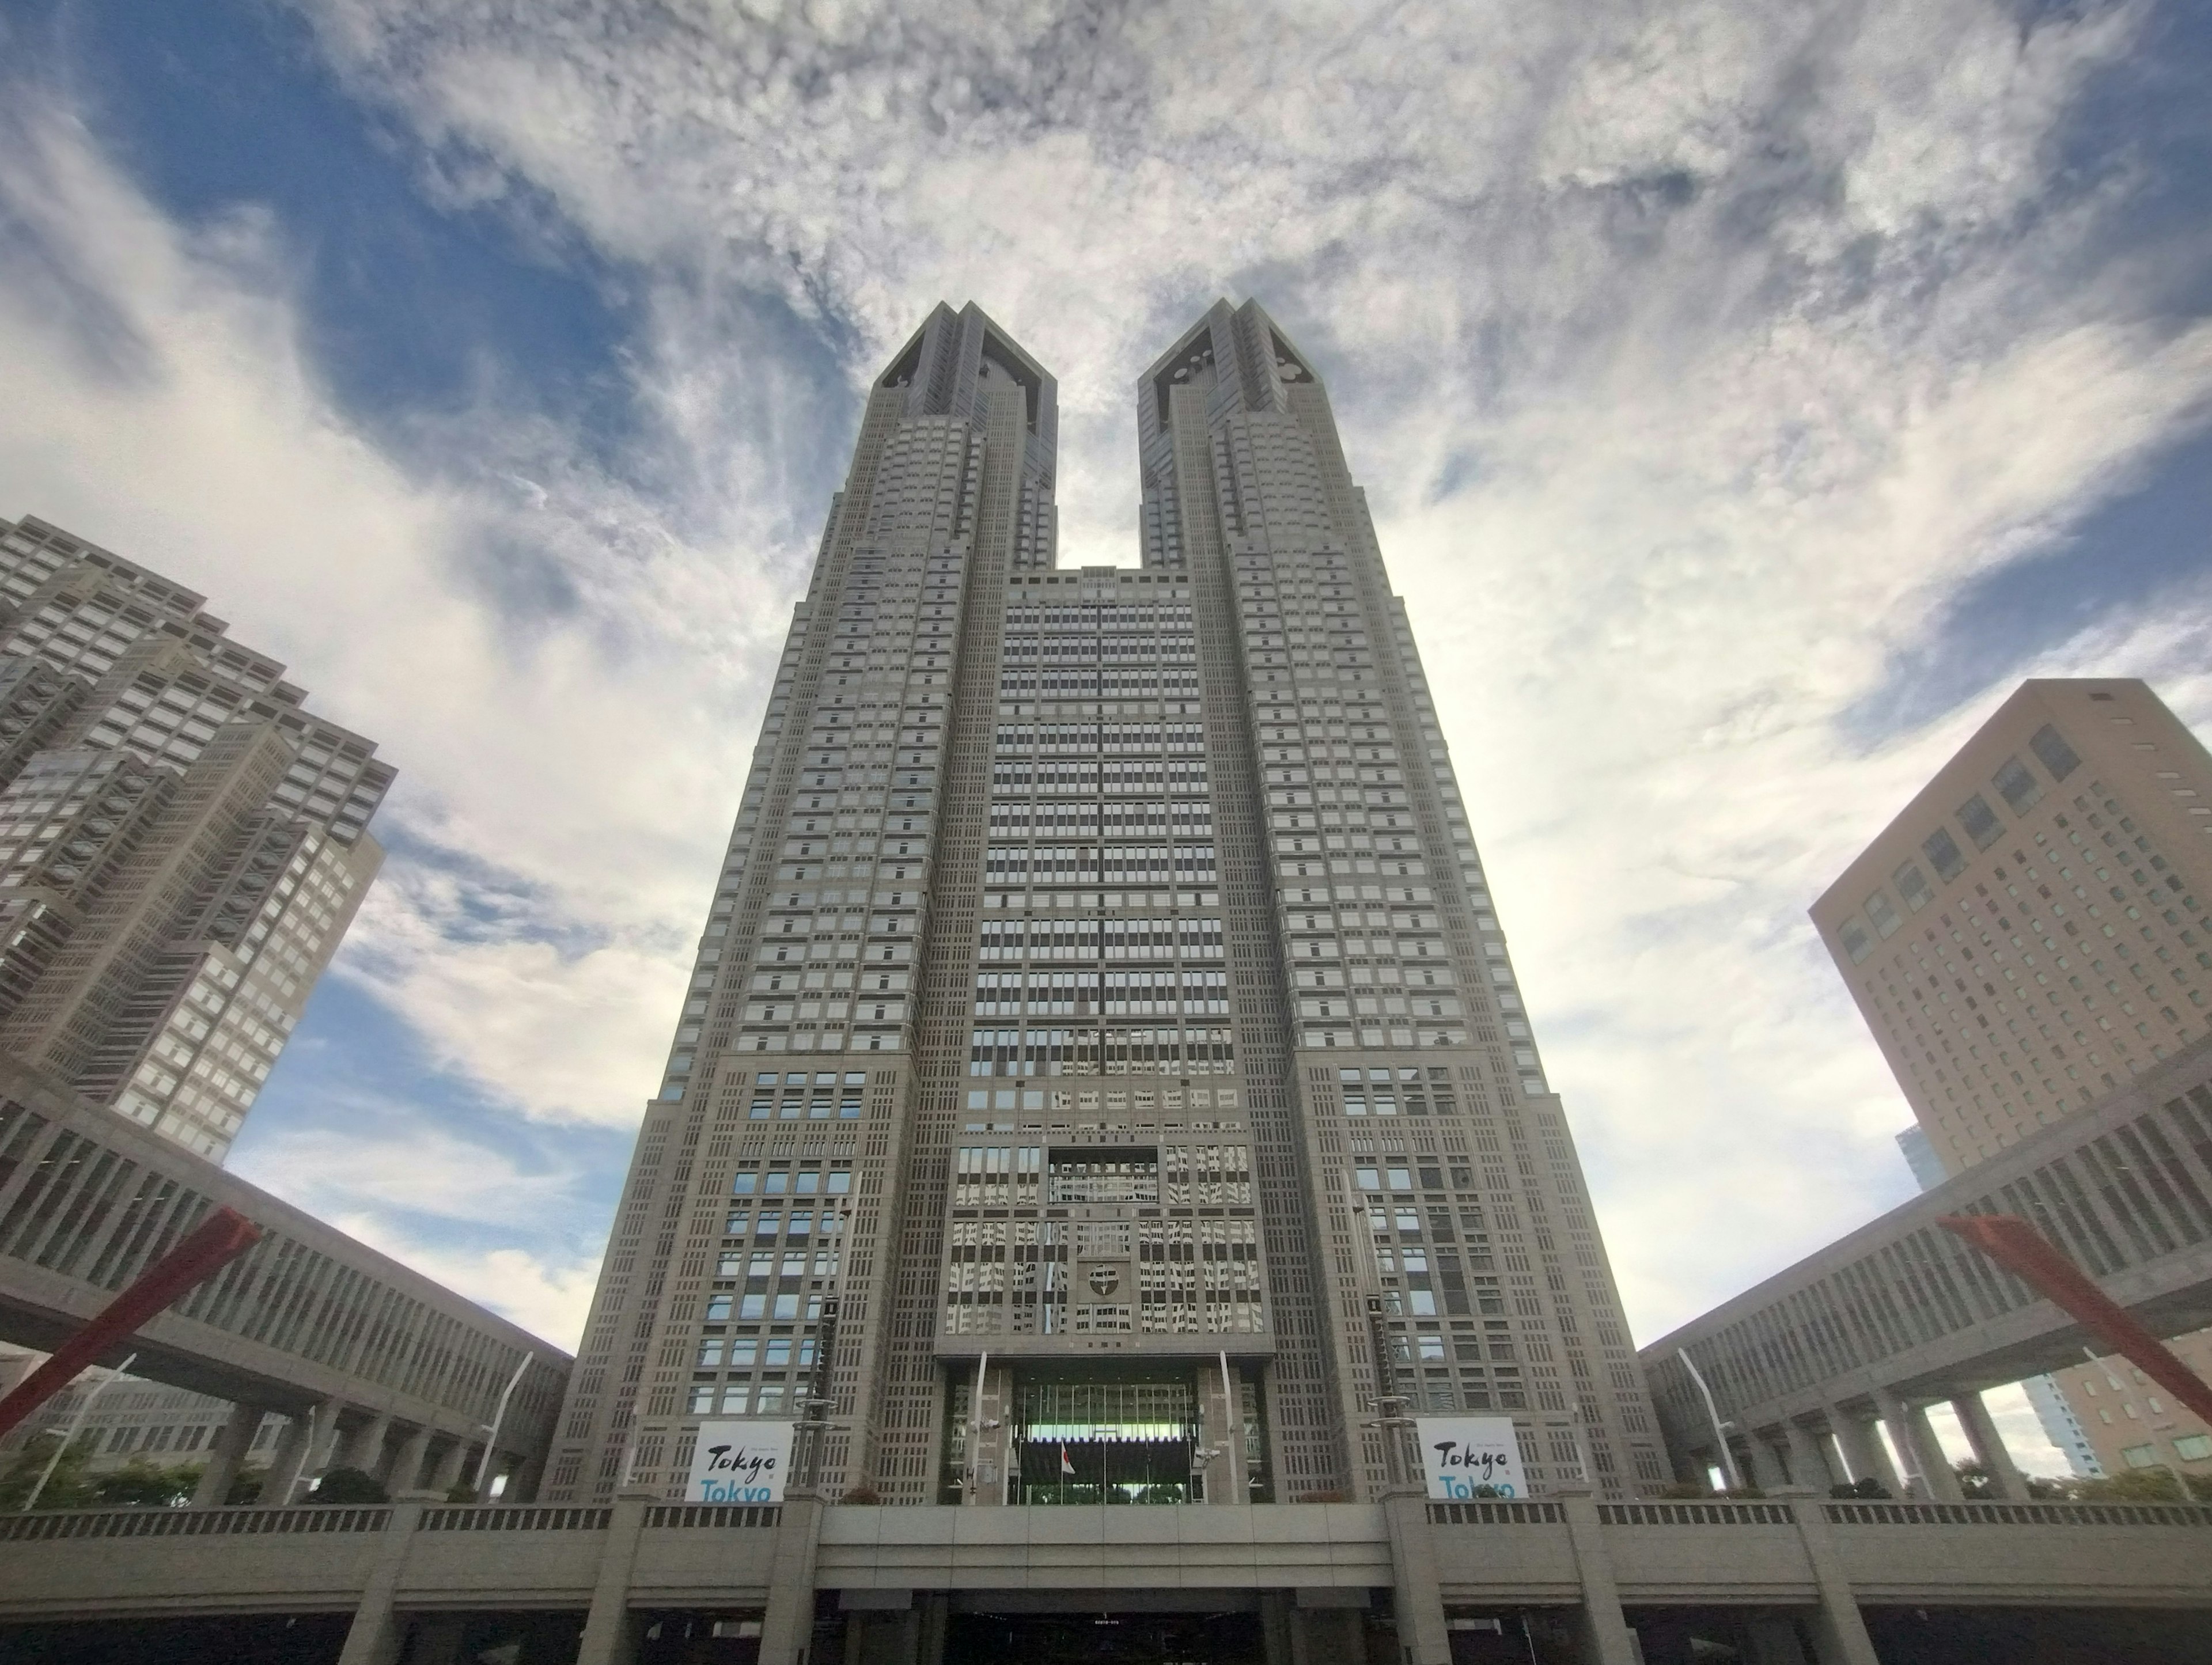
[1461, 1455]
[739, 1462]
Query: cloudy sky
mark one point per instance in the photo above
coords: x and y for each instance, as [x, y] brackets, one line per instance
[1749, 396]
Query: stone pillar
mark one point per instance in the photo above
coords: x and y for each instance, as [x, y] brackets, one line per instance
[934, 1610]
[610, 1638]
[407, 1468]
[448, 1475]
[2005, 1480]
[364, 1448]
[1808, 1464]
[1840, 1632]
[1606, 1639]
[1760, 1468]
[303, 1436]
[1419, 1598]
[788, 1625]
[377, 1631]
[232, 1441]
[1863, 1450]
[1918, 1444]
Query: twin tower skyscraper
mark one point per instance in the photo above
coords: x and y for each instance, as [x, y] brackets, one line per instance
[1103, 1075]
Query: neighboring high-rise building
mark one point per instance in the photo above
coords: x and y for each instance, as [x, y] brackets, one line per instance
[1103, 1004]
[2027, 934]
[181, 844]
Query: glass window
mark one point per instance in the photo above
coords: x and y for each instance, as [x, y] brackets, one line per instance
[2017, 785]
[1980, 821]
[1912, 884]
[1943, 855]
[2051, 750]
[2139, 1456]
[1883, 913]
[2193, 1448]
[1856, 941]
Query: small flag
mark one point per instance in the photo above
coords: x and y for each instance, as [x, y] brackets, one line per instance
[1066, 1467]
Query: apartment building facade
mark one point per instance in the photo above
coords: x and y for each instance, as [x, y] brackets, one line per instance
[2027, 934]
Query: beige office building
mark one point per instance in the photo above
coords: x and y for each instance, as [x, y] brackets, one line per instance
[2027, 935]
[182, 843]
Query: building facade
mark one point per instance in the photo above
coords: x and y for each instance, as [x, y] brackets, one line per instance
[1102, 1077]
[182, 844]
[2028, 934]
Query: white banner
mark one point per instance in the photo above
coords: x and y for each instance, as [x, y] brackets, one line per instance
[1462, 1454]
[739, 1462]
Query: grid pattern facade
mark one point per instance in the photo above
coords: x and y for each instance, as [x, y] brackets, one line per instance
[2028, 937]
[181, 845]
[1114, 943]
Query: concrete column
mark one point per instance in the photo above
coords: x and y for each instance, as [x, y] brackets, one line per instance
[364, 1448]
[1918, 1444]
[303, 1436]
[522, 1480]
[1760, 1468]
[1863, 1450]
[1419, 1598]
[232, 1441]
[1808, 1464]
[610, 1638]
[1981, 1429]
[933, 1608]
[407, 1468]
[448, 1475]
[377, 1631]
[1840, 1632]
[324, 1438]
[788, 1626]
[1606, 1639]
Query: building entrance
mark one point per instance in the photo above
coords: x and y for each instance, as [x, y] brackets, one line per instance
[1104, 1638]
[1081, 1439]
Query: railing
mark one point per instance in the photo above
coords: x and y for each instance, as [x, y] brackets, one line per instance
[158, 1522]
[515, 1518]
[1503, 1511]
[713, 1514]
[1690, 1513]
[2017, 1514]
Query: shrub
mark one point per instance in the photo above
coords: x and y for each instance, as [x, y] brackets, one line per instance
[349, 1486]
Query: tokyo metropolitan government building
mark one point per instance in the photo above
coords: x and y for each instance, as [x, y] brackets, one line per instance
[1102, 1077]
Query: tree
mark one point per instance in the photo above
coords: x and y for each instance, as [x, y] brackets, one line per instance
[1869, 1489]
[2158, 1485]
[66, 1490]
[349, 1486]
[140, 1484]
[1974, 1482]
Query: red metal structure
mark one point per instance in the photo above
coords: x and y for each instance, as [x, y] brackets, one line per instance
[2013, 1244]
[211, 1245]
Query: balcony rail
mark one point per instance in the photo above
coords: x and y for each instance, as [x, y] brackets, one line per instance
[515, 1518]
[1503, 1511]
[1693, 1513]
[2019, 1514]
[161, 1522]
[717, 1515]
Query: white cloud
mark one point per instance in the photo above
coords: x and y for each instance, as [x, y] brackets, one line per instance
[549, 1298]
[1752, 338]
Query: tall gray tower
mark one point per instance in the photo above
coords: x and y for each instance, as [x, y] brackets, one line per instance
[1102, 1045]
